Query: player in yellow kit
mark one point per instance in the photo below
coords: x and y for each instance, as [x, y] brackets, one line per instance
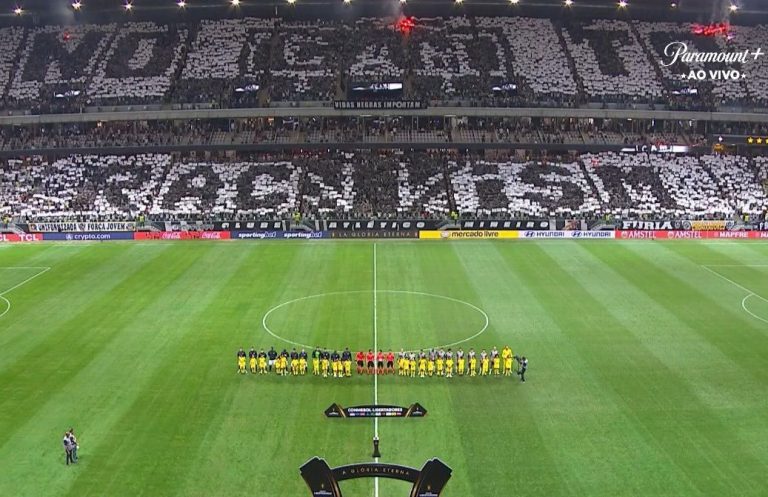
[336, 366]
[294, 363]
[316, 362]
[412, 365]
[440, 362]
[485, 363]
[303, 362]
[507, 357]
[241, 361]
[252, 360]
[472, 363]
[284, 363]
[431, 364]
[460, 362]
[325, 358]
[496, 363]
[262, 362]
[422, 365]
[346, 361]
[449, 364]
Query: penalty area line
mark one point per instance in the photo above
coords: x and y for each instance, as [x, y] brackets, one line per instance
[44, 269]
[750, 293]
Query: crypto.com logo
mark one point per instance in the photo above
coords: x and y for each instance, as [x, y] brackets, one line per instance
[678, 51]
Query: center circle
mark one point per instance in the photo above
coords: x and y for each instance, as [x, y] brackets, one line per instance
[443, 322]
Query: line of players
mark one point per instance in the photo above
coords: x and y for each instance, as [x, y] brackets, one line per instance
[284, 363]
[422, 364]
[445, 362]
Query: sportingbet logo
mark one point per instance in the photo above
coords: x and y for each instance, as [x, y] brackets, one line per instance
[679, 52]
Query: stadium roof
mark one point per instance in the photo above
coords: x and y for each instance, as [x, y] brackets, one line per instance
[62, 11]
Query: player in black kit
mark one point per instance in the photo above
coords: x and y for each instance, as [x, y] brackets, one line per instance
[272, 355]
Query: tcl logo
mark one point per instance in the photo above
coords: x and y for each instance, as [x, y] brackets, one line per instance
[23, 237]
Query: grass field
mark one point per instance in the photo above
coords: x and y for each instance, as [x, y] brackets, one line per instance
[648, 370]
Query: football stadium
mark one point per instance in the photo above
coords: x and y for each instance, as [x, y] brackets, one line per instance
[384, 248]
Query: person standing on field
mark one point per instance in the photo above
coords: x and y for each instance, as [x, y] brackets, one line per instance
[73, 440]
[272, 356]
[523, 367]
[68, 449]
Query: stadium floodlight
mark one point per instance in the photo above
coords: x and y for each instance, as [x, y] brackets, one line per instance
[568, 3]
[734, 7]
[347, 1]
[181, 4]
[673, 5]
[458, 1]
[623, 4]
[128, 6]
[18, 10]
[403, 1]
[77, 5]
[291, 1]
[235, 2]
[514, 2]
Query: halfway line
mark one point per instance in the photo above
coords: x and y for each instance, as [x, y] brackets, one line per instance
[375, 352]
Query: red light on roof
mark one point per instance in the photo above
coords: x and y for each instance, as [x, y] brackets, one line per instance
[405, 25]
[718, 29]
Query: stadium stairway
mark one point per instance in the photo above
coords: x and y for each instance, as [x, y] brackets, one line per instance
[12, 228]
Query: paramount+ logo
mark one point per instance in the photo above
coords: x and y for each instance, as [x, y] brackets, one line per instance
[679, 54]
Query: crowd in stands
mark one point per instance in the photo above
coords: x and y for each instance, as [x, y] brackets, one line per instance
[140, 64]
[345, 184]
[611, 63]
[376, 50]
[371, 130]
[489, 61]
[543, 72]
[305, 61]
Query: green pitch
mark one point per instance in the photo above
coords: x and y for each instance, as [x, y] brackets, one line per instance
[648, 367]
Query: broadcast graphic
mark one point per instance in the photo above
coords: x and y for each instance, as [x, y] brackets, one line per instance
[735, 57]
[323, 481]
